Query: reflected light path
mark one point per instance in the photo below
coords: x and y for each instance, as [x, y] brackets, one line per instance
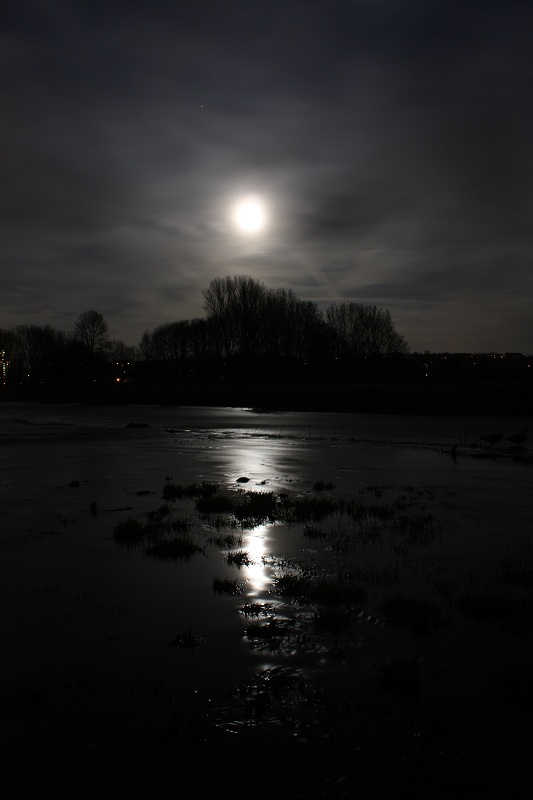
[255, 459]
[258, 573]
[251, 459]
[266, 463]
[270, 465]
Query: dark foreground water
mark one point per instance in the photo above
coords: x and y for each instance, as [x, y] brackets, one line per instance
[127, 673]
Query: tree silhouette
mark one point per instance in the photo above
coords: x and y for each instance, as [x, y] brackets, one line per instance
[92, 331]
[236, 307]
[364, 331]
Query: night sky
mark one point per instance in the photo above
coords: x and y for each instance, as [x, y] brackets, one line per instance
[390, 142]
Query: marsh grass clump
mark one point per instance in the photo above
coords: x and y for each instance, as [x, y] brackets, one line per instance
[217, 522]
[130, 531]
[210, 505]
[228, 586]
[172, 546]
[306, 508]
[303, 587]
[172, 491]
[400, 676]
[163, 535]
[180, 524]
[377, 491]
[292, 586]
[227, 540]
[204, 489]
[240, 558]
[271, 635]
[314, 532]
[361, 512]
[257, 609]
[160, 513]
[365, 532]
[421, 614]
[249, 509]
[417, 529]
[256, 508]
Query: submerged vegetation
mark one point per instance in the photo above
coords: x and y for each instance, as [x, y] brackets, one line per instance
[229, 586]
[161, 534]
[360, 588]
[172, 547]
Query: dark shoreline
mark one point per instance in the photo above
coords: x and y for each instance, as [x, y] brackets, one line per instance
[389, 397]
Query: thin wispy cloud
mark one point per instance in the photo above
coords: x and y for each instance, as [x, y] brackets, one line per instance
[391, 144]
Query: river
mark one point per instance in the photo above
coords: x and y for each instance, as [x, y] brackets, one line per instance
[88, 625]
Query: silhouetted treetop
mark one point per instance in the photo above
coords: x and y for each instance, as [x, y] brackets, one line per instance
[364, 331]
[252, 320]
[92, 331]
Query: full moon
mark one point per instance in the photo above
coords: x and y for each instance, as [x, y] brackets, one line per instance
[249, 215]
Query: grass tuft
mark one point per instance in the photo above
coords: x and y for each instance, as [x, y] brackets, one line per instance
[227, 540]
[239, 559]
[173, 547]
[314, 532]
[228, 586]
[257, 609]
[130, 531]
[305, 588]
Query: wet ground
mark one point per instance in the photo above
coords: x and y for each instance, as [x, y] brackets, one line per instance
[365, 628]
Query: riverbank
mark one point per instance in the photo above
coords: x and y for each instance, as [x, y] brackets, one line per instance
[484, 398]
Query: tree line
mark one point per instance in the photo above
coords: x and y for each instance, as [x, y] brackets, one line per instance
[245, 320]
[247, 328]
[40, 353]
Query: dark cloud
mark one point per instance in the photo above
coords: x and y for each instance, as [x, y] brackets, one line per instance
[391, 142]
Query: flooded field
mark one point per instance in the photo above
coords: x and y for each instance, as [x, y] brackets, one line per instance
[282, 605]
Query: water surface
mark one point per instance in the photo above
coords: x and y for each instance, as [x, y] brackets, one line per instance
[86, 624]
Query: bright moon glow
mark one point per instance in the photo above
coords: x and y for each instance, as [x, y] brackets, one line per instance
[250, 215]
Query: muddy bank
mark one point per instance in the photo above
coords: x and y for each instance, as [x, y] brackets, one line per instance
[410, 397]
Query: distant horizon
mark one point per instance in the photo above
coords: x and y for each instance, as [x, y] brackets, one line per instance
[48, 319]
[135, 345]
